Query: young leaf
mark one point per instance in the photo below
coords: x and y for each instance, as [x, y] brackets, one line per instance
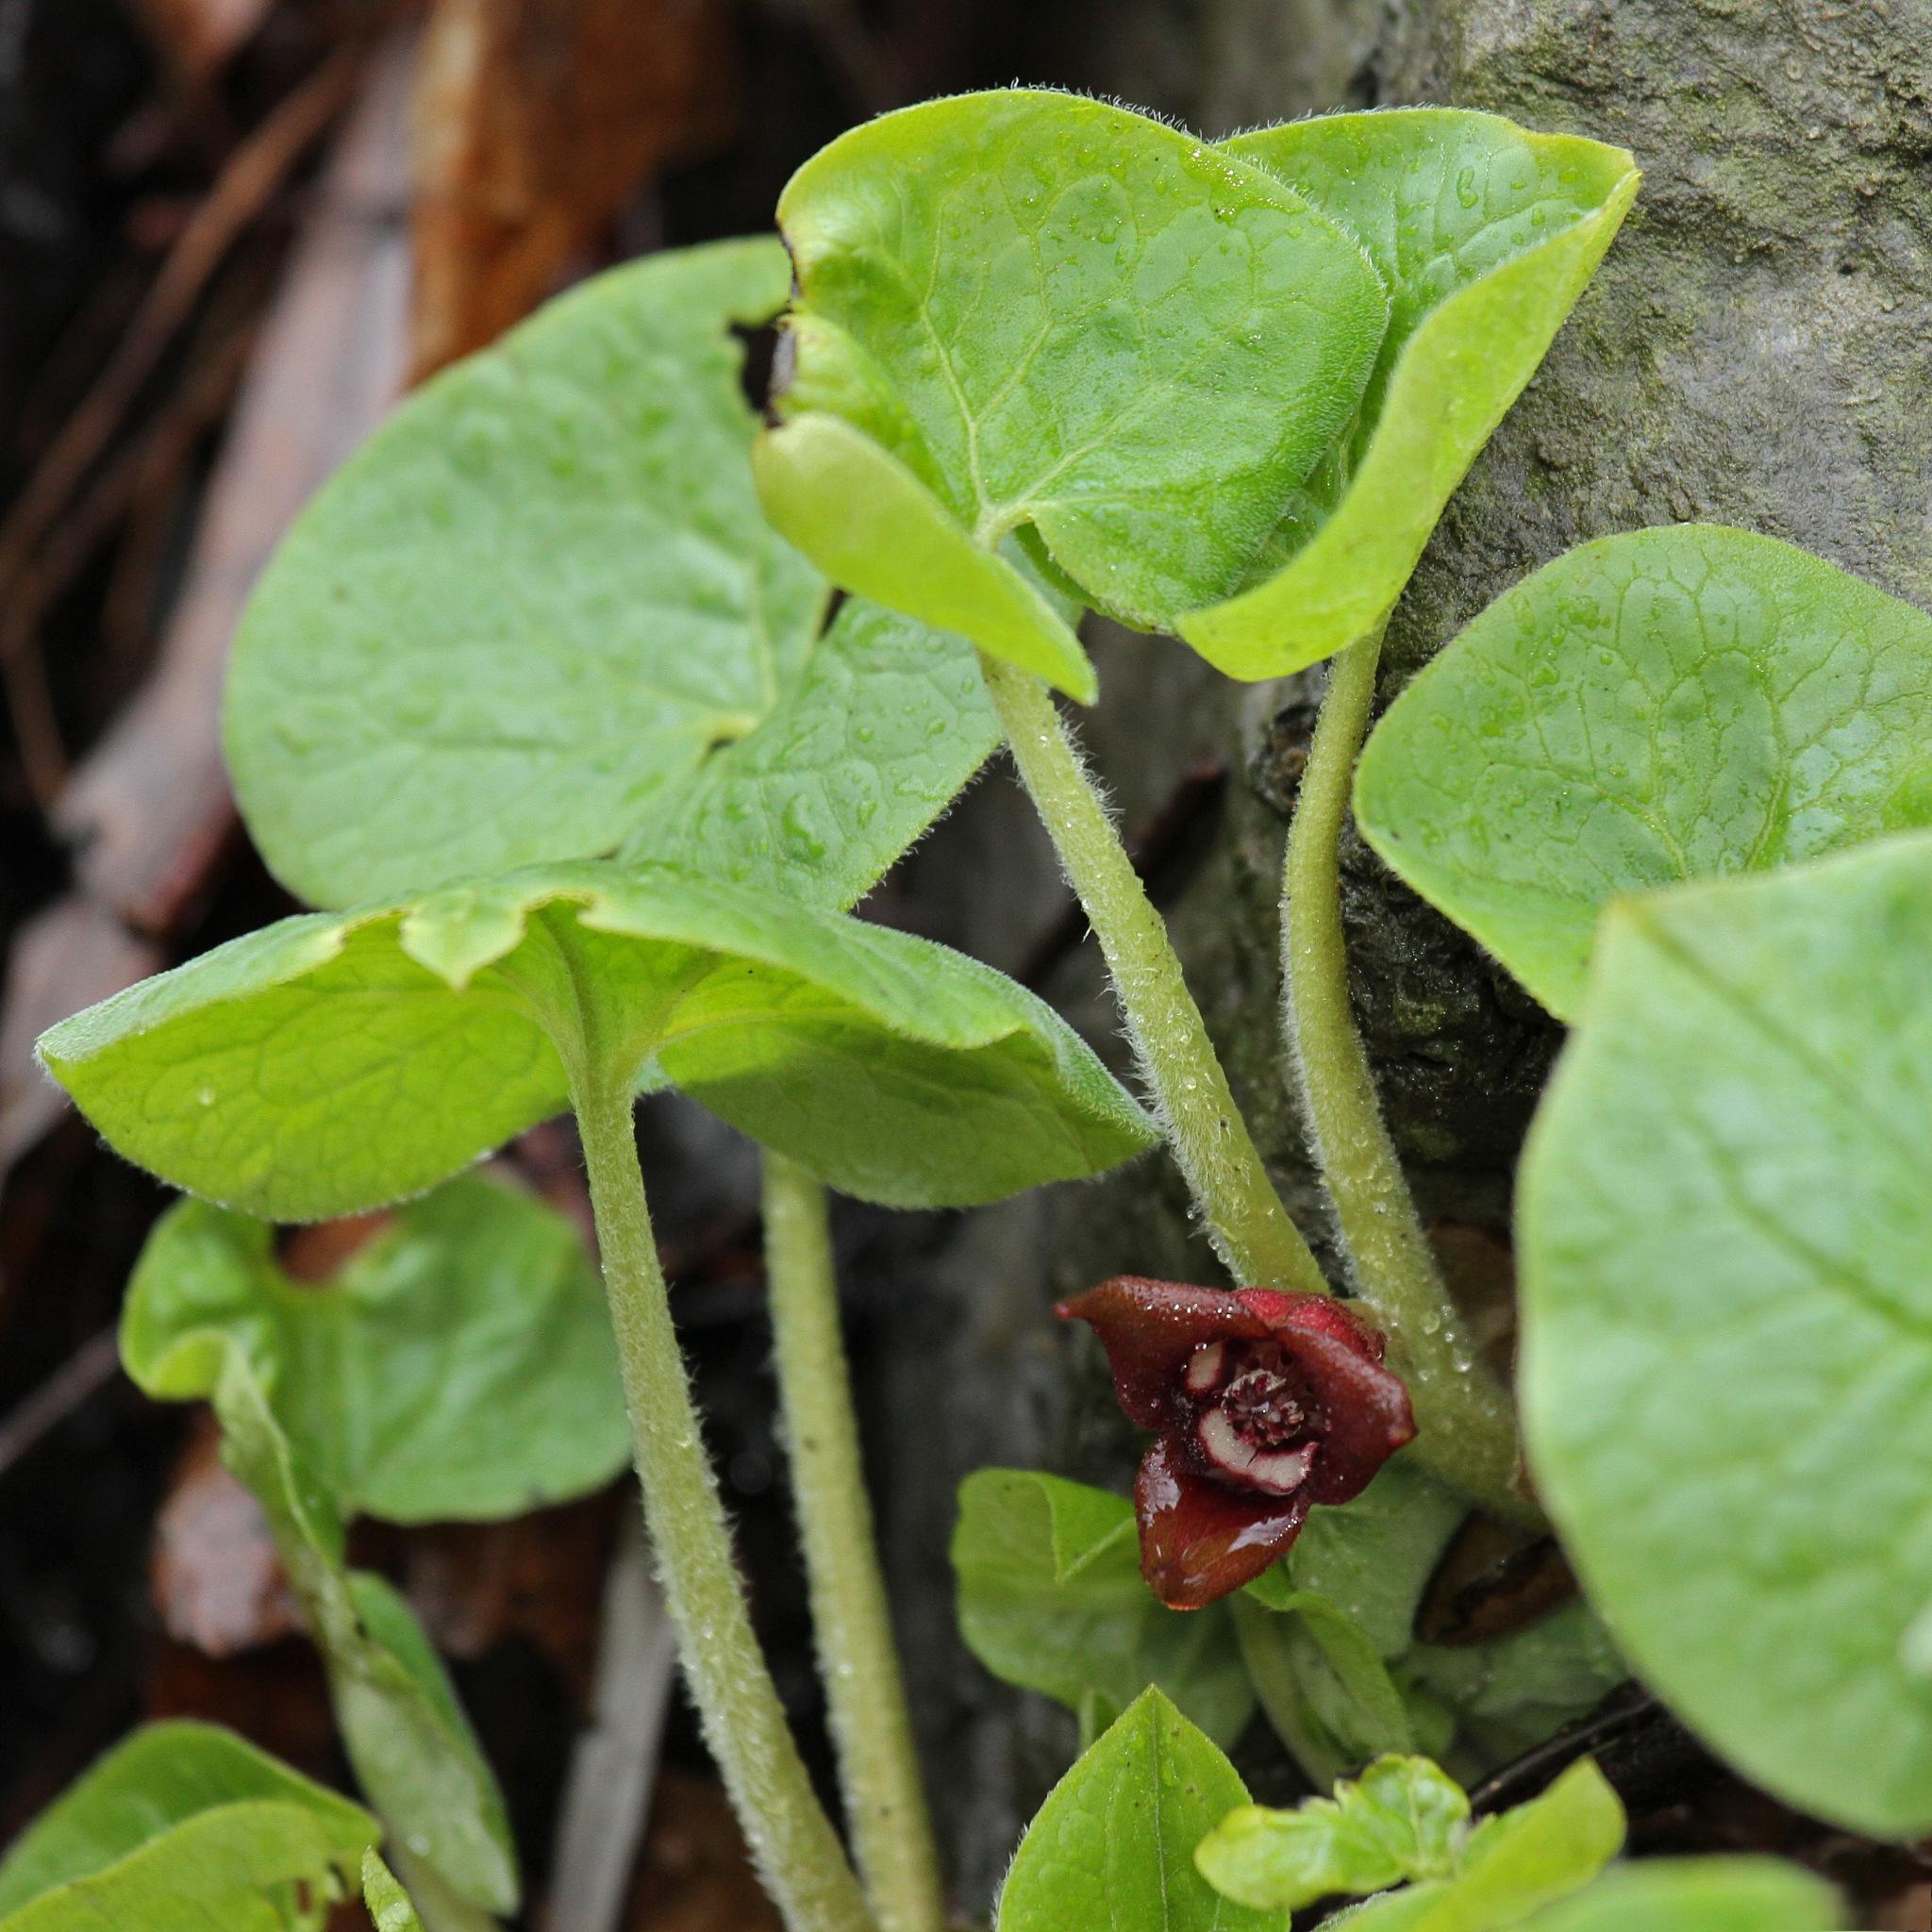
[1660, 705]
[415, 1754]
[1696, 1895]
[1404, 1818]
[1726, 1246]
[858, 511]
[1030, 309]
[539, 613]
[1112, 1849]
[411, 1748]
[1366, 1565]
[180, 1827]
[1330, 1697]
[1372, 1558]
[1484, 235]
[459, 1367]
[1051, 1599]
[1514, 1691]
[336, 1061]
[389, 1904]
[1513, 1865]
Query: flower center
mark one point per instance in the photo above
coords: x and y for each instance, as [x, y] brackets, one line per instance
[1257, 1425]
[1261, 1403]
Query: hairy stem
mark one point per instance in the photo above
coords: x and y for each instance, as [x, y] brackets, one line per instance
[1466, 1427]
[798, 1855]
[1243, 1215]
[871, 1724]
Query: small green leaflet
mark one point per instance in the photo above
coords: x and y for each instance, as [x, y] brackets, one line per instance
[336, 1061]
[181, 1828]
[1331, 1698]
[1050, 1598]
[1025, 308]
[459, 1367]
[1112, 1849]
[389, 1904]
[1726, 1231]
[1339, 1672]
[539, 615]
[1402, 1819]
[411, 1747]
[1484, 235]
[1696, 1895]
[1661, 706]
[1511, 1866]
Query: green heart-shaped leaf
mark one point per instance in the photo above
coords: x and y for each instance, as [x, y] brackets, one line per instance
[181, 1828]
[1661, 706]
[1726, 1243]
[1112, 1849]
[1484, 235]
[340, 1060]
[1051, 1599]
[411, 1747]
[1026, 310]
[459, 1367]
[1402, 1819]
[539, 615]
[1696, 1895]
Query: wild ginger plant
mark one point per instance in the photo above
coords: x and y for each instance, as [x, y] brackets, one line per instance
[545, 700]
[1221, 391]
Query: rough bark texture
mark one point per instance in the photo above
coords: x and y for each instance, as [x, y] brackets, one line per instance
[1752, 352]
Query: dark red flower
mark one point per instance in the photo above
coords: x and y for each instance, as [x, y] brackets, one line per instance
[1264, 1404]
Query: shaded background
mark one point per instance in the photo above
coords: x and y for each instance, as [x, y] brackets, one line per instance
[232, 231]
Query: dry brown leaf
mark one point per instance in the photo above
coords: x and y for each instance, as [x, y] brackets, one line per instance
[537, 121]
[218, 1582]
[199, 37]
[64, 958]
[150, 809]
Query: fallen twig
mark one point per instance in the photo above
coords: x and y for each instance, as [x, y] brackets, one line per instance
[90, 1368]
[254, 173]
[605, 1802]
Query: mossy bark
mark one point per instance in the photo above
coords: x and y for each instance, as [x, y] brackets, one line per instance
[1752, 352]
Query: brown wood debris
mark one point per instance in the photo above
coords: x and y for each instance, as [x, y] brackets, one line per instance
[536, 122]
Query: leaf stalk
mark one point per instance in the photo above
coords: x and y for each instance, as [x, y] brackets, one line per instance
[865, 1692]
[796, 1851]
[1243, 1215]
[1466, 1422]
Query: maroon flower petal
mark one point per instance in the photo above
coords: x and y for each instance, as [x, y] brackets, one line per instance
[1369, 1416]
[1322, 1314]
[1150, 1328]
[1200, 1540]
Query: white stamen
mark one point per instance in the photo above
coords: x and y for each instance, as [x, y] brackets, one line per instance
[1203, 1369]
[1280, 1472]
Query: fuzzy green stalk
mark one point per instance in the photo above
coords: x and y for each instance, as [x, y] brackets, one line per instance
[878, 1763]
[1466, 1426]
[797, 1853]
[1244, 1219]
